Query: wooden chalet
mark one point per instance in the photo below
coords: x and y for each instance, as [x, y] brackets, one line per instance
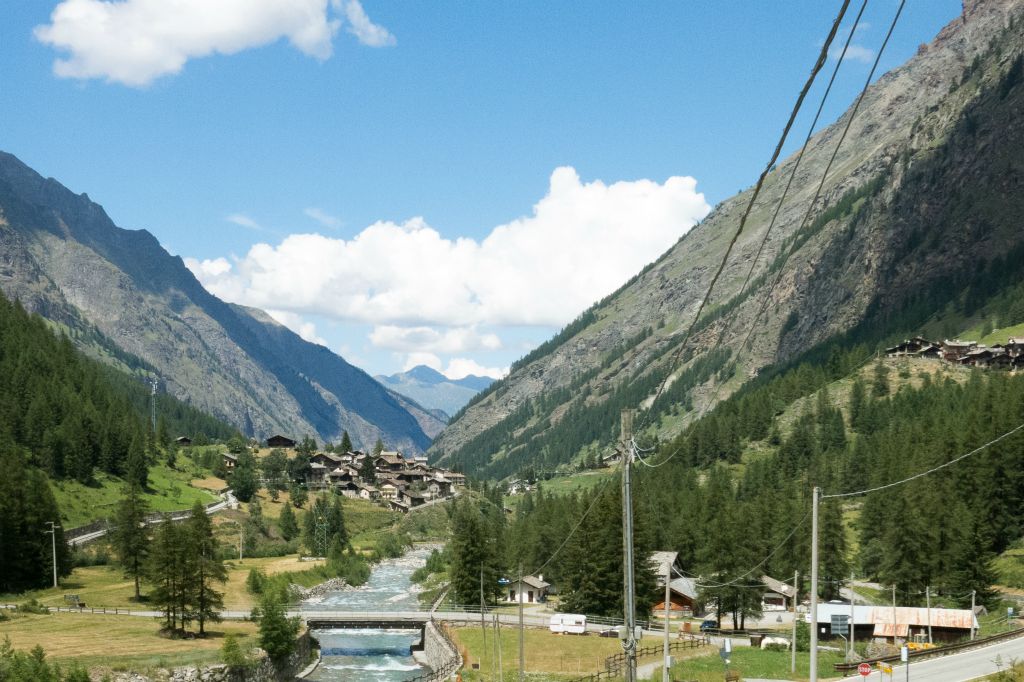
[279, 441]
[682, 597]
[229, 460]
[366, 491]
[183, 441]
[412, 498]
[328, 459]
[956, 349]
[911, 347]
[778, 596]
[389, 461]
[388, 492]
[1015, 346]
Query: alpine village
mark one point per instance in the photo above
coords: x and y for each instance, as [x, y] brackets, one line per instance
[640, 432]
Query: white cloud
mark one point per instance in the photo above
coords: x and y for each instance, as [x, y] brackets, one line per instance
[855, 52]
[307, 330]
[359, 25]
[323, 217]
[416, 359]
[455, 340]
[210, 267]
[134, 42]
[459, 368]
[245, 221]
[580, 243]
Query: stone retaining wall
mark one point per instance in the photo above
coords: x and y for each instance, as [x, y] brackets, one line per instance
[439, 653]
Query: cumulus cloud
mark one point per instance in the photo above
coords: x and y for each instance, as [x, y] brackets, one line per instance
[134, 42]
[323, 217]
[365, 31]
[457, 340]
[582, 241]
[430, 297]
[307, 330]
[458, 368]
[855, 52]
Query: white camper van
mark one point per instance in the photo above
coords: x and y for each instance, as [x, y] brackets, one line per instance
[568, 623]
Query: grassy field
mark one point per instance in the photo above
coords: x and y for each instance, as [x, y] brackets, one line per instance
[555, 657]
[993, 337]
[753, 663]
[106, 586]
[169, 490]
[1010, 568]
[561, 485]
[118, 642]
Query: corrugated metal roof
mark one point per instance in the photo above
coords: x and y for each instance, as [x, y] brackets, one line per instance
[662, 561]
[910, 615]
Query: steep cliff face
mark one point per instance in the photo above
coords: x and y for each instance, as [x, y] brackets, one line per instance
[925, 189]
[62, 256]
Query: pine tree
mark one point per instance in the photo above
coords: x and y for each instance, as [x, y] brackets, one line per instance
[286, 523]
[165, 570]
[378, 447]
[367, 471]
[137, 468]
[243, 478]
[346, 443]
[205, 568]
[130, 537]
[277, 631]
[298, 496]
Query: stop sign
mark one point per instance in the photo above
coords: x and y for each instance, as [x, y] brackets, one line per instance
[864, 669]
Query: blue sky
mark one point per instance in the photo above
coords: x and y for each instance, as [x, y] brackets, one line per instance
[494, 147]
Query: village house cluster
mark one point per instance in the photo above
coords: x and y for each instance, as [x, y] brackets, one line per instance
[400, 482]
[1008, 356]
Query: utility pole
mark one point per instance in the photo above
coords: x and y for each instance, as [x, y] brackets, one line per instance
[796, 594]
[483, 627]
[497, 639]
[973, 593]
[928, 604]
[522, 652]
[815, 494]
[629, 643]
[53, 544]
[853, 629]
[668, 596]
[894, 614]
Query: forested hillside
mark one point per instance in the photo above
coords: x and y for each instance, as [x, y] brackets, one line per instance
[65, 416]
[917, 230]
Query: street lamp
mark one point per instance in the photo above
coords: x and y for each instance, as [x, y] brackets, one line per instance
[53, 544]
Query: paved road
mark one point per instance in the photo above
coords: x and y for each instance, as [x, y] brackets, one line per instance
[968, 665]
[229, 501]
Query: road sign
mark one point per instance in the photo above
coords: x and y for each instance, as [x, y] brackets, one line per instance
[840, 624]
[864, 669]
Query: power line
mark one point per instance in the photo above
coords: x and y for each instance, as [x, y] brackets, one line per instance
[824, 176]
[775, 216]
[760, 564]
[929, 471]
[822, 57]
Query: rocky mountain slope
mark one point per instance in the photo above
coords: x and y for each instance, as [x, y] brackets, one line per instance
[435, 391]
[62, 256]
[924, 195]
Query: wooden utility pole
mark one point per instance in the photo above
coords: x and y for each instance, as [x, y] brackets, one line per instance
[973, 593]
[629, 643]
[522, 651]
[668, 597]
[928, 604]
[815, 494]
[796, 600]
[497, 638]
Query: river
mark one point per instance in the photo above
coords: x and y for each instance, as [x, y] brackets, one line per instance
[359, 655]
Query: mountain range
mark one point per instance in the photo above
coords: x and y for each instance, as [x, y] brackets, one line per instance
[435, 391]
[121, 297]
[916, 226]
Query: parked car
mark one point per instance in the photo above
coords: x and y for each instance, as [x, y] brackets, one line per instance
[709, 624]
[609, 632]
